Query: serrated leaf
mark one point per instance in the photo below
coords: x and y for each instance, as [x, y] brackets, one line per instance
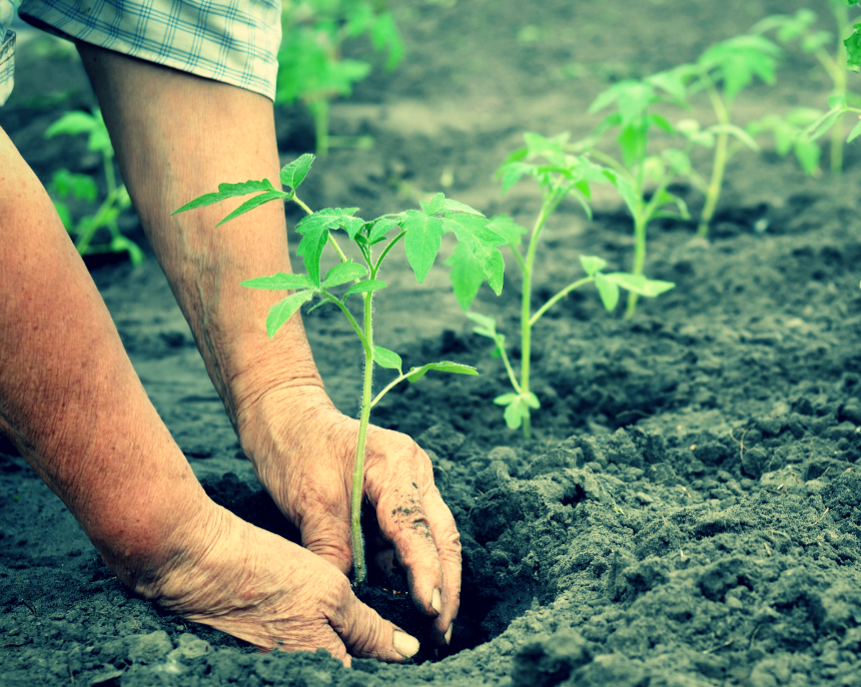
[311, 248]
[483, 243]
[608, 290]
[251, 204]
[388, 359]
[280, 281]
[451, 205]
[640, 284]
[592, 264]
[284, 310]
[466, 275]
[382, 226]
[331, 218]
[512, 172]
[344, 272]
[434, 205]
[228, 191]
[507, 228]
[416, 373]
[365, 287]
[294, 174]
[422, 242]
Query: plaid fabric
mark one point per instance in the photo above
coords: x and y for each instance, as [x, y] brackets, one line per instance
[232, 41]
[7, 50]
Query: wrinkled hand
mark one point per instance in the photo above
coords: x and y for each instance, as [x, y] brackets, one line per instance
[266, 590]
[303, 451]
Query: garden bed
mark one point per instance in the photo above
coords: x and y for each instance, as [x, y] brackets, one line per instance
[688, 509]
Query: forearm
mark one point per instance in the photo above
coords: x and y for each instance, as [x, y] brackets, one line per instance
[177, 137]
[69, 398]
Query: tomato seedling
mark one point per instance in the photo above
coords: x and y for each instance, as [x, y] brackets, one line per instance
[420, 232]
[66, 185]
[640, 172]
[560, 175]
[310, 64]
[830, 52]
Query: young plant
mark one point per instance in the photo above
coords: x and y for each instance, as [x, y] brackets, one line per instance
[310, 65]
[420, 232]
[65, 185]
[559, 176]
[833, 59]
[642, 179]
[722, 72]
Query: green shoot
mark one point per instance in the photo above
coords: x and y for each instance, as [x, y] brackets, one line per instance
[722, 72]
[641, 178]
[419, 231]
[66, 185]
[310, 66]
[800, 27]
[560, 176]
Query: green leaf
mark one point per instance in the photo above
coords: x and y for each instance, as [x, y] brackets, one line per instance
[531, 400]
[853, 47]
[738, 132]
[608, 290]
[121, 244]
[466, 275]
[344, 272]
[422, 242]
[737, 60]
[284, 309]
[80, 186]
[388, 359]
[433, 206]
[280, 281]
[515, 413]
[451, 205]
[252, 203]
[416, 373]
[626, 190]
[311, 248]
[382, 226]
[481, 242]
[486, 325]
[72, 124]
[512, 172]
[505, 399]
[507, 228]
[592, 264]
[855, 133]
[365, 287]
[294, 173]
[328, 218]
[229, 191]
[807, 153]
[639, 284]
[65, 214]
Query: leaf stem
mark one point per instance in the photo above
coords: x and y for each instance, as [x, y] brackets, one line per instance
[385, 252]
[559, 296]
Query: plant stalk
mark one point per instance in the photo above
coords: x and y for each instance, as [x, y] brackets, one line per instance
[720, 160]
[359, 567]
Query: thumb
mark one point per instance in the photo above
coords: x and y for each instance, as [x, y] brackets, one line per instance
[329, 537]
[367, 635]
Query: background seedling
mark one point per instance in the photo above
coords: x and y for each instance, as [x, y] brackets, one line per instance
[420, 232]
[310, 63]
[65, 185]
[642, 178]
[559, 175]
[829, 51]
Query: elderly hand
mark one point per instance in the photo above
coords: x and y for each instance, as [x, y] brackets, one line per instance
[303, 451]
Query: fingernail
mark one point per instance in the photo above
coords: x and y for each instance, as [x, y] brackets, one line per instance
[436, 600]
[447, 636]
[406, 645]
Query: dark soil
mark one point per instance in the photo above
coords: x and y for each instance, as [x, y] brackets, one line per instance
[688, 510]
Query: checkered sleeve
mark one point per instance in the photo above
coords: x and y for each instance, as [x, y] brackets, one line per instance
[7, 50]
[232, 41]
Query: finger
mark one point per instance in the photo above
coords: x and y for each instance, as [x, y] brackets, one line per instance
[448, 544]
[326, 639]
[367, 635]
[328, 535]
[403, 521]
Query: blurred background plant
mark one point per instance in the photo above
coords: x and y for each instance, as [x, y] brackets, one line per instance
[66, 186]
[311, 65]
